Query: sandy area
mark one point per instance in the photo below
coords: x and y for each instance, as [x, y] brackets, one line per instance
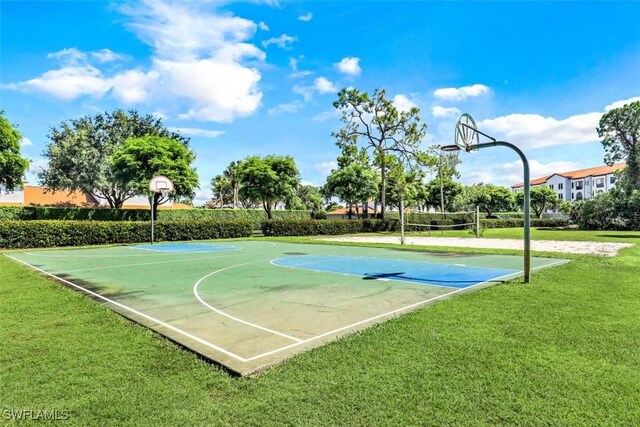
[575, 247]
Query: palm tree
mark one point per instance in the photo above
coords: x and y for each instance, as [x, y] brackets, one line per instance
[232, 173]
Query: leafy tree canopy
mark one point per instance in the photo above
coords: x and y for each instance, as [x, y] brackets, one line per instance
[542, 198]
[620, 130]
[449, 191]
[12, 165]
[80, 151]
[352, 183]
[268, 179]
[138, 160]
[490, 198]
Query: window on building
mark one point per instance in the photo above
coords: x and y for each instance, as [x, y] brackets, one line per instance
[612, 180]
[579, 195]
[572, 185]
[599, 182]
[579, 185]
[560, 186]
[551, 186]
[560, 196]
[573, 196]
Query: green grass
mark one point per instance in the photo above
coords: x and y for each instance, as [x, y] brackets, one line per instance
[564, 350]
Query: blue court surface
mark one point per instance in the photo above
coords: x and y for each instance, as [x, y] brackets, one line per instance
[186, 247]
[421, 272]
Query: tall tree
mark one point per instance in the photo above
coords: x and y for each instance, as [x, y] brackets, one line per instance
[138, 160]
[378, 125]
[80, 152]
[232, 173]
[221, 189]
[268, 179]
[542, 199]
[620, 130]
[442, 193]
[12, 165]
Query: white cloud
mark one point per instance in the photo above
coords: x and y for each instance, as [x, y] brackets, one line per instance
[292, 107]
[438, 111]
[539, 168]
[263, 27]
[299, 74]
[403, 103]
[324, 85]
[199, 64]
[534, 131]
[306, 17]
[283, 42]
[349, 66]
[207, 133]
[324, 168]
[461, 93]
[621, 103]
[107, 55]
[326, 115]
[25, 142]
[203, 194]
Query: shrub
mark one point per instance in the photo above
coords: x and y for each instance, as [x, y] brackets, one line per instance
[519, 222]
[322, 227]
[40, 234]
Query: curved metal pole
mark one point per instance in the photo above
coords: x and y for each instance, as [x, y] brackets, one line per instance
[527, 202]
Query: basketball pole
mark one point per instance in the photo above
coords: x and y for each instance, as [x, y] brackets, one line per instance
[153, 201]
[527, 198]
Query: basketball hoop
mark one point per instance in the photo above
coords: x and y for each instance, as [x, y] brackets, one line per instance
[449, 148]
[466, 133]
[159, 184]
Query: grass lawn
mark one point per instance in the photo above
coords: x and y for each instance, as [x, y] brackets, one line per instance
[564, 350]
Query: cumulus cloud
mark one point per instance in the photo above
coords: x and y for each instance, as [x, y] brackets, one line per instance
[107, 55]
[199, 64]
[534, 130]
[438, 111]
[403, 103]
[324, 85]
[325, 168]
[622, 103]
[24, 142]
[283, 42]
[207, 133]
[306, 17]
[291, 107]
[263, 27]
[349, 66]
[509, 174]
[461, 93]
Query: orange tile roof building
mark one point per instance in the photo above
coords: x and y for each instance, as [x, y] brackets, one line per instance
[578, 184]
[32, 195]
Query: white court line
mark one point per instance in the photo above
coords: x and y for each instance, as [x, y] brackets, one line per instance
[231, 248]
[146, 316]
[222, 313]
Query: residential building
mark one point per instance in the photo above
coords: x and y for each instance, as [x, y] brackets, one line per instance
[578, 184]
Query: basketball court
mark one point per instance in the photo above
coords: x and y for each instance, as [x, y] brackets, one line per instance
[250, 304]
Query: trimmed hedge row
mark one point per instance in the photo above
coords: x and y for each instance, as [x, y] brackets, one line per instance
[41, 234]
[535, 222]
[317, 227]
[256, 216]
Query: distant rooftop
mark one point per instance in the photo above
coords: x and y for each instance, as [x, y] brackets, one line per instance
[577, 174]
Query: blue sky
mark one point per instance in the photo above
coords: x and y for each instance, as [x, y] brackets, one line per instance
[243, 78]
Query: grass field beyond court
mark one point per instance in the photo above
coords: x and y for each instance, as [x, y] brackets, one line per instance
[251, 304]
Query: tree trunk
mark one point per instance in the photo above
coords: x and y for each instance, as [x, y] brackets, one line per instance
[235, 194]
[383, 186]
[350, 209]
[267, 208]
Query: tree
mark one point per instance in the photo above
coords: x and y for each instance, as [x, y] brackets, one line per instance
[222, 189]
[309, 198]
[377, 124]
[80, 152]
[446, 190]
[12, 165]
[138, 160]
[542, 199]
[232, 173]
[490, 198]
[620, 130]
[352, 183]
[268, 179]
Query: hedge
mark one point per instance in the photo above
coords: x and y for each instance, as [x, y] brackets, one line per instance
[106, 214]
[331, 227]
[15, 234]
[535, 222]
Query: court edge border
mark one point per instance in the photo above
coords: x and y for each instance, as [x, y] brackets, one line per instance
[296, 344]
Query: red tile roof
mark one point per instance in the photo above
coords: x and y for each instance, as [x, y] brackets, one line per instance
[577, 174]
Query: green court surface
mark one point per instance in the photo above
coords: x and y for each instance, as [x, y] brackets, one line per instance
[251, 304]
